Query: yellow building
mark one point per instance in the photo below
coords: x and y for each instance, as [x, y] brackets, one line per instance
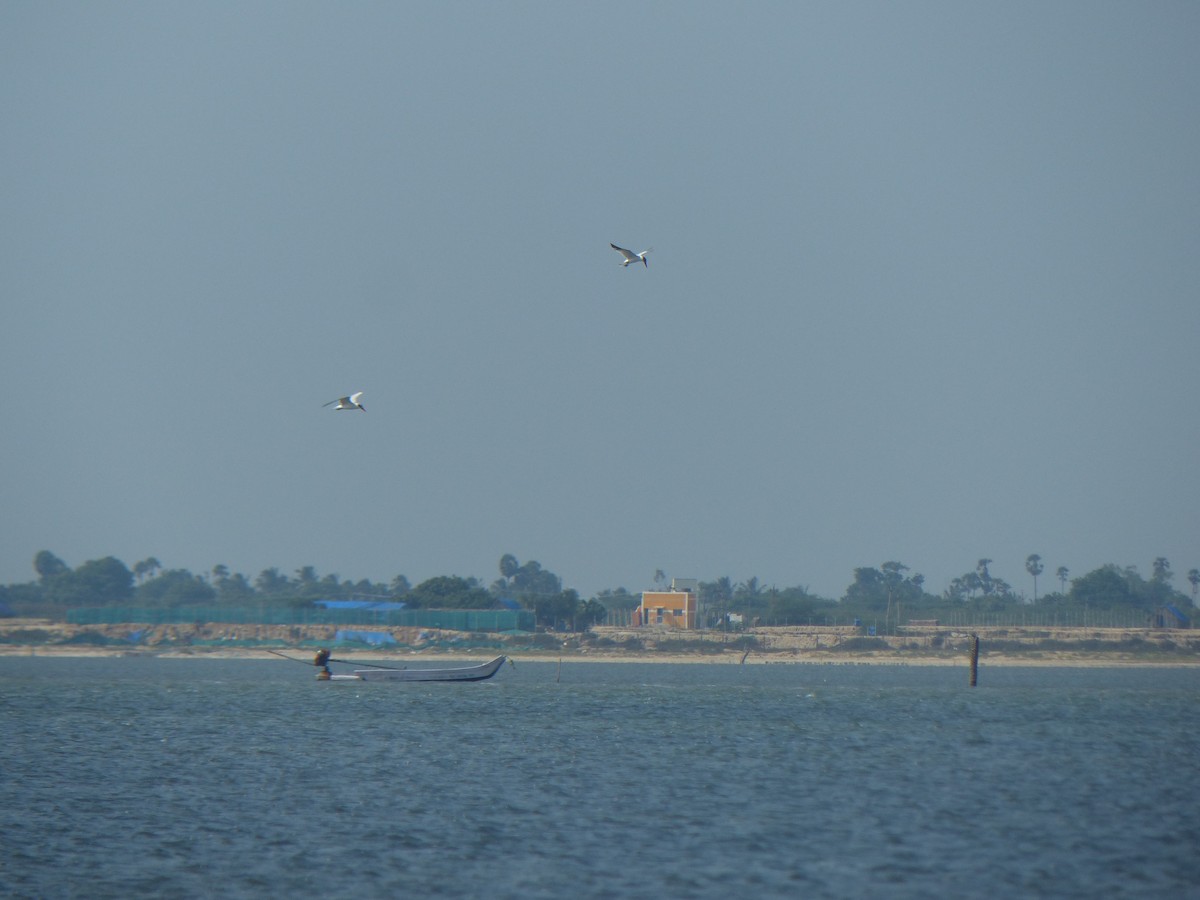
[675, 608]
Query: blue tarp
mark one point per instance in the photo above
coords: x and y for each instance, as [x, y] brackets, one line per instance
[373, 605]
[374, 638]
[508, 603]
[1178, 614]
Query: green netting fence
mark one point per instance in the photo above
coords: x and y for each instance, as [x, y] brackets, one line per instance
[448, 619]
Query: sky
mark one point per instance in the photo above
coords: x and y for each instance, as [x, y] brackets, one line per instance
[924, 287]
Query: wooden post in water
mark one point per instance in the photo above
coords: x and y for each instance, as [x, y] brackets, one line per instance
[974, 659]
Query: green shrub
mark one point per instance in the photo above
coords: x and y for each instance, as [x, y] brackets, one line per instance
[857, 644]
[90, 639]
[25, 636]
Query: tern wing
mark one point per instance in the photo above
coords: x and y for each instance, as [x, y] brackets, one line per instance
[625, 253]
[354, 398]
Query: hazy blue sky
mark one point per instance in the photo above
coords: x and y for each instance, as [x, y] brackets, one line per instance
[925, 287]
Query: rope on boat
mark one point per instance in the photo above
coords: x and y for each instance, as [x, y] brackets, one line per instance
[349, 662]
[288, 658]
[355, 662]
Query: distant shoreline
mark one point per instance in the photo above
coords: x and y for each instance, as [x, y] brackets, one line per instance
[913, 645]
[1053, 659]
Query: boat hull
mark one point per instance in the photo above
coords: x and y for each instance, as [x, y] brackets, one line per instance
[465, 673]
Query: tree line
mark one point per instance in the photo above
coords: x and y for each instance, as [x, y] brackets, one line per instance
[110, 582]
[888, 591]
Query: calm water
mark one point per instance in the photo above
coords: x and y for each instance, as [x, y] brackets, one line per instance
[238, 778]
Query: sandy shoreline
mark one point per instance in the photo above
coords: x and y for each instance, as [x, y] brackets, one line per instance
[1051, 659]
[796, 645]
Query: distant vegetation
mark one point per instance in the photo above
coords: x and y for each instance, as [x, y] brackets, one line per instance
[884, 597]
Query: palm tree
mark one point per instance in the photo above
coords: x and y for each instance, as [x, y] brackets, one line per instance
[235, 587]
[146, 568]
[509, 565]
[957, 589]
[716, 597]
[1033, 565]
[1162, 570]
[270, 581]
[723, 589]
[748, 592]
[1062, 574]
[893, 575]
[1194, 579]
[985, 578]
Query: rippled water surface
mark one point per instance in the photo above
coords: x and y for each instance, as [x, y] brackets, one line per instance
[246, 778]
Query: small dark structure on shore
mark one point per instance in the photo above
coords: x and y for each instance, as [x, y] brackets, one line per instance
[1169, 616]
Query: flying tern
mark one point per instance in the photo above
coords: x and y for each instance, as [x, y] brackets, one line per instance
[630, 256]
[350, 402]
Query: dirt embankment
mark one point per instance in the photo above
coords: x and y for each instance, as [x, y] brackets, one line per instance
[921, 638]
[35, 632]
[781, 644]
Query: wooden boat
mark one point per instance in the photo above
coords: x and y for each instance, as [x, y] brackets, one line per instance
[481, 672]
